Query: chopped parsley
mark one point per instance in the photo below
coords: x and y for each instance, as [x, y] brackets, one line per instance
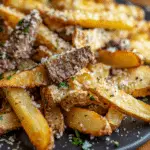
[26, 29]
[1, 29]
[77, 140]
[77, 133]
[112, 95]
[10, 76]
[85, 145]
[1, 76]
[1, 117]
[92, 98]
[73, 78]
[20, 22]
[116, 143]
[63, 85]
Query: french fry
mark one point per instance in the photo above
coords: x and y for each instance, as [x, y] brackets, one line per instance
[89, 19]
[96, 38]
[31, 119]
[78, 98]
[29, 78]
[134, 81]
[125, 103]
[44, 36]
[110, 20]
[52, 111]
[87, 122]
[8, 122]
[119, 59]
[93, 6]
[114, 117]
[25, 6]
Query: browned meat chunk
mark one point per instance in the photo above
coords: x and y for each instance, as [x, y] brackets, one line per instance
[61, 67]
[22, 38]
[19, 44]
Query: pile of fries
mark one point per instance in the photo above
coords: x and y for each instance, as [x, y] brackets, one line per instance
[96, 99]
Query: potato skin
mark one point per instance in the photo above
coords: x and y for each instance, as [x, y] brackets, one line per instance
[88, 122]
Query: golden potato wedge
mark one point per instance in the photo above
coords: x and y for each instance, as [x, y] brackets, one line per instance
[114, 117]
[88, 122]
[142, 48]
[44, 37]
[78, 98]
[52, 111]
[88, 19]
[134, 81]
[31, 119]
[125, 103]
[95, 38]
[53, 94]
[29, 78]
[25, 5]
[110, 20]
[55, 120]
[93, 6]
[119, 59]
[8, 122]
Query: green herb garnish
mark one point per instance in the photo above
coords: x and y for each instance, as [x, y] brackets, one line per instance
[26, 29]
[10, 76]
[63, 84]
[77, 133]
[112, 95]
[1, 76]
[73, 78]
[1, 29]
[77, 141]
[92, 98]
[20, 22]
[1, 117]
[116, 143]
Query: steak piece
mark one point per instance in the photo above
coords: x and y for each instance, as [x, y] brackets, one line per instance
[61, 67]
[20, 43]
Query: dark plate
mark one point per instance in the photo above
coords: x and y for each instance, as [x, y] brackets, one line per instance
[130, 135]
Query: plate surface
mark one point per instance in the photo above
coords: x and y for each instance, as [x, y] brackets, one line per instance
[130, 135]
